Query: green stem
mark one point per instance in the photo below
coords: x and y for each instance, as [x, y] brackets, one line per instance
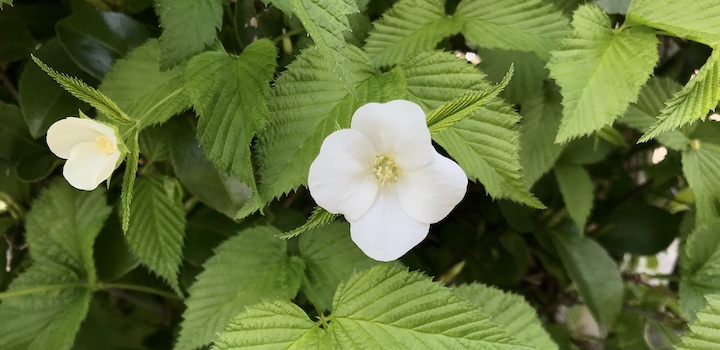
[287, 35]
[46, 288]
[143, 289]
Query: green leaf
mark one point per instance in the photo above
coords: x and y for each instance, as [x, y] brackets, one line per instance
[131, 168]
[486, 144]
[593, 271]
[306, 105]
[144, 92]
[522, 25]
[642, 114]
[326, 22]
[699, 263]
[48, 301]
[95, 39]
[330, 257]
[408, 28]
[529, 77]
[464, 106]
[199, 176]
[600, 70]
[5, 2]
[276, 324]
[576, 188]
[384, 307]
[509, 311]
[230, 95]
[247, 268]
[378, 308]
[189, 26]
[699, 96]
[705, 331]
[82, 91]
[538, 128]
[42, 100]
[156, 232]
[700, 166]
[319, 218]
[700, 20]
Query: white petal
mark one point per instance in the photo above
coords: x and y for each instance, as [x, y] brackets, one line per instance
[397, 129]
[86, 167]
[386, 232]
[64, 134]
[340, 179]
[430, 193]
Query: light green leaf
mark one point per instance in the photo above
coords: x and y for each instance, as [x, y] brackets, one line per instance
[319, 218]
[230, 95]
[538, 127]
[5, 2]
[131, 168]
[593, 271]
[509, 311]
[642, 114]
[408, 28]
[245, 269]
[276, 324]
[486, 144]
[700, 20]
[530, 72]
[145, 93]
[576, 188]
[326, 22]
[330, 257]
[522, 25]
[464, 106]
[705, 331]
[87, 94]
[600, 70]
[156, 232]
[48, 301]
[188, 27]
[379, 308]
[699, 263]
[701, 164]
[306, 105]
[699, 96]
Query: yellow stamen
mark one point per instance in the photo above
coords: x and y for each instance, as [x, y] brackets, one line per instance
[104, 144]
[385, 170]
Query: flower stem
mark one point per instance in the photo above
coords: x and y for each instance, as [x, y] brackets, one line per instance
[41, 289]
[143, 289]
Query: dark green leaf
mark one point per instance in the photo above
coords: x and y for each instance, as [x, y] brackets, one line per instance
[639, 229]
[594, 273]
[42, 100]
[15, 139]
[15, 40]
[36, 166]
[94, 40]
[200, 177]
[577, 191]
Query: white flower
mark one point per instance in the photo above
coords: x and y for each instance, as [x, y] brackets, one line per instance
[90, 147]
[384, 175]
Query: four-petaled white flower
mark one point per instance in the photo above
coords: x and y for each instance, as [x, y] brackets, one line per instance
[384, 175]
[90, 147]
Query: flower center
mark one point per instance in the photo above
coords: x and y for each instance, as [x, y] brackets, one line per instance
[105, 146]
[384, 169]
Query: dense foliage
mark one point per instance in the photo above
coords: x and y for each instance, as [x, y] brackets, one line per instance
[586, 129]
